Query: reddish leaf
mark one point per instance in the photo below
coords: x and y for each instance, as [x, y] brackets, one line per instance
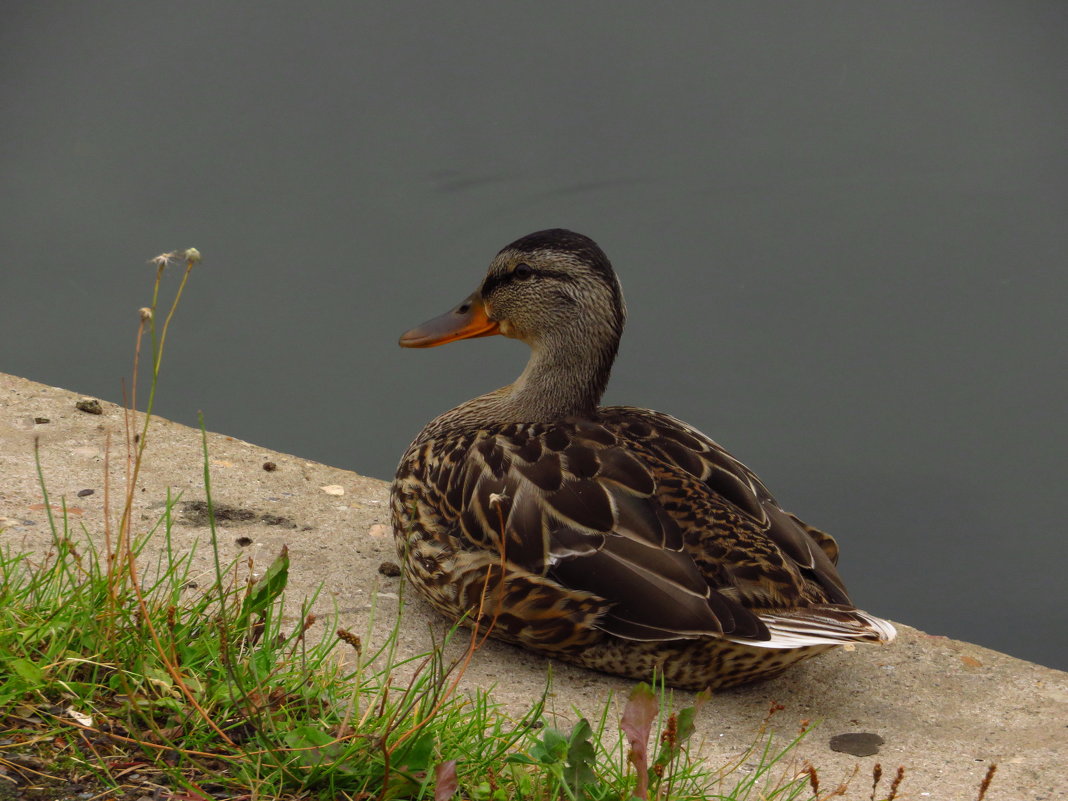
[637, 723]
[445, 782]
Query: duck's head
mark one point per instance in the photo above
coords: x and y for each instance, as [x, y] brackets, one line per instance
[552, 288]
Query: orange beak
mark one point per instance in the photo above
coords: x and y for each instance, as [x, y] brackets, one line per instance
[466, 321]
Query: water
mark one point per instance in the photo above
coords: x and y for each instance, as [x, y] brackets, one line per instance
[840, 230]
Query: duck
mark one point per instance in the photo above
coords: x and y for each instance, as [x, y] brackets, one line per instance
[616, 538]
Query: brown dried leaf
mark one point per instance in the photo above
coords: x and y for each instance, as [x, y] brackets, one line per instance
[445, 781]
[637, 723]
[71, 510]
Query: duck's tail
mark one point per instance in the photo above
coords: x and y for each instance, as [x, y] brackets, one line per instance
[825, 624]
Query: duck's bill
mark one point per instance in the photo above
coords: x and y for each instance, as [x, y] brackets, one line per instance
[466, 321]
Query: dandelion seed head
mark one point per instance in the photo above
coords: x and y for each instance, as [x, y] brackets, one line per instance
[163, 259]
[192, 255]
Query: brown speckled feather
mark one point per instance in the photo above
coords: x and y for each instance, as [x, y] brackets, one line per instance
[678, 537]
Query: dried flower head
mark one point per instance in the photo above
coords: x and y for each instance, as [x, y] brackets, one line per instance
[347, 636]
[896, 783]
[145, 314]
[163, 259]
[192, 255]
[876, 777]
[813, 777]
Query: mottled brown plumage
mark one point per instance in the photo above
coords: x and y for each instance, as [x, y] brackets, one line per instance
[616, 538]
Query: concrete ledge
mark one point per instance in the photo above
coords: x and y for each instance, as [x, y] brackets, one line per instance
[944, 708]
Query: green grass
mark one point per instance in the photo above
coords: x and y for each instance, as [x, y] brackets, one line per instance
[119, 673]
[207, 690]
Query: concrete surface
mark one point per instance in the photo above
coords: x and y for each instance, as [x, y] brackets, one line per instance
[944, 708]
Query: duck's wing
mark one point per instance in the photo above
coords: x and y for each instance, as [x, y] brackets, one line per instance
[568, 501]
[645, 534]
[745, 544]
[760, 545]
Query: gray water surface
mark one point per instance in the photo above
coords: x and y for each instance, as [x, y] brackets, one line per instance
[841, 230]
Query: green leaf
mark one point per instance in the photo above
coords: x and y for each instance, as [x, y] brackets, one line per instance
[307, 736]
[686, 724]
[551, 748]
[520, 759]
[416, 753]
[262, 661]
[11, 689]
[25, 677]
[311, 745]
[27, 671]
[159, 678]
[580, 758]
[266, 591]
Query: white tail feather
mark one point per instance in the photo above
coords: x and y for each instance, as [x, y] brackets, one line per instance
[822, 626]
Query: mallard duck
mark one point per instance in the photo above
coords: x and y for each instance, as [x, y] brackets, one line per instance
[616, 538]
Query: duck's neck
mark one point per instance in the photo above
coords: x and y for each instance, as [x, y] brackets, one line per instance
[561, 379]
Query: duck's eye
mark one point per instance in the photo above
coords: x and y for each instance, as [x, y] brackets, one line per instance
[522, 271]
